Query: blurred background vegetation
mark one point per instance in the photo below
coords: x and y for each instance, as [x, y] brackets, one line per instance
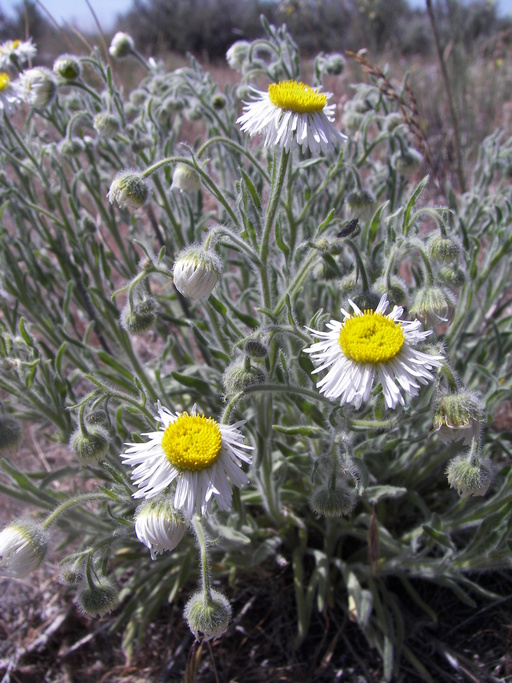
[207, 28]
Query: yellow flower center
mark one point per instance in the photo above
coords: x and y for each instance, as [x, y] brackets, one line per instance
[371, 338]
[15, 44]
[192, 443]
[296, 97]
[4, 81]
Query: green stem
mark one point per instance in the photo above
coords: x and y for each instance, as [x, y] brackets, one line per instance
[205, 567]
[84, 498]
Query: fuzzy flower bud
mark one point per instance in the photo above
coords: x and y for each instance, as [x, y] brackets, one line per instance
[470, 475]
[196, 272]
[98, 418]
[121, 46]
[255, 348]
[443, 249]
[218, 101]
[337, 501]
[106, 125]
[98, 599]
[367, 301]
[334, 64]
[361, 203]
[241, 375]
[70, 147]
[67, 67]
[159, 526]
[71, 575]
[11, 434]
[237, 54]
[408, 162]
[38, 87]
[23, 546]
[139, 318]
[129, 189]
[185, 179]
[452, 276]
[91, 447]
[395, 288]
[434, 304]
[208, 617]
[349, 283]
[458, 416]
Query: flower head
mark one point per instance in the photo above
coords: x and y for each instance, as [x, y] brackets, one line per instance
[196, 272]
[197, 453]
[38, 87]
[121, 46]
[67, 67]
[458, 416]
[23, 546]
[185, 179]
[129, 189]
[370, 347]
[158, 525]
[292, 114]
[9, 94]
[16, 52]
[208, 616]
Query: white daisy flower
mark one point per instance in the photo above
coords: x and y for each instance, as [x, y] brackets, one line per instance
[9, 94]
[16, 52]
[197, 453]
[369, 347]
[158, 525]
[292, 114]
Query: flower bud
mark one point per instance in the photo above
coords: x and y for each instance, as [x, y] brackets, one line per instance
[70, 574]
[241, 375]
[458, 416]
[237, 54]
[443, 249]
[470, 475]
[452, 276]
[334, 64]
[106, 125]
[196, 272]
[394, 287]
[391, 121]
[208, 617]
[185, 179]
[255, 348]
[38, 87]
[337, 501]
[349, 283]
[218, 101]
[139, 318]
[361, 203]
[98, 418]
[11, 434]
[367, 301]
[23, 547]
[92, 447]
[129, 189]
[70, 147]
[408, 162]
[67, 67]
[159, 526]
[97, 599]
[121, 46]
[434, 304]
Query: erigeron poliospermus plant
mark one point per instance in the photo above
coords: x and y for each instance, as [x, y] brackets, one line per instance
[262, 345]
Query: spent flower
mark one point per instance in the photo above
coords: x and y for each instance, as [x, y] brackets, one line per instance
[195, 452]
[291, 114]
[367, 348]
